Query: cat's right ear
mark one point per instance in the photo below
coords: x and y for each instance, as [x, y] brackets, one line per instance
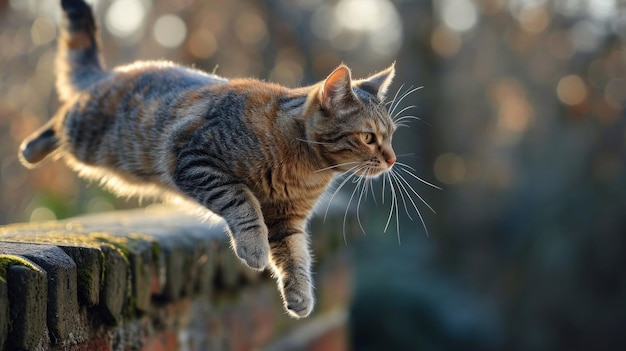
[337, 88]
[378, 83]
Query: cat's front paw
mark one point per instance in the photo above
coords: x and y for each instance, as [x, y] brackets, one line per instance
[254, 253]
[298, 298]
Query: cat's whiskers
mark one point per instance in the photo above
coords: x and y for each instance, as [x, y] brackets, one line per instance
[335, 166]
[400, 187]
[400, 180]
[413, 190]
[367, 181]
[400, 119]
[406, 169]
[360, 179]
[400, 190]
[397, 117]
[394, 204]
[397, 103]
[350, 172]
[370, 180]
[395, 96]
[405, 120]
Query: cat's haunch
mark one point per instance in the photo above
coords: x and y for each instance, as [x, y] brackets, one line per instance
[257, 154]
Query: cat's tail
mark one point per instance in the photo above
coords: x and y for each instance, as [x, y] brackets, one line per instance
[78, 61]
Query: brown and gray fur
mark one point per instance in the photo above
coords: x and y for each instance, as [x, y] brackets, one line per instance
[257, 154]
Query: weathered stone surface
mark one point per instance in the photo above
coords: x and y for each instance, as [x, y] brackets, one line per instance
[174, 254]
[161, 244]
[138, 251]
[113, 293]
[89, 262]
[61, 272]
[138, 276]
[27, 292]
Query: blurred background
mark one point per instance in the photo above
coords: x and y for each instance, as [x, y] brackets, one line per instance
[522, 124]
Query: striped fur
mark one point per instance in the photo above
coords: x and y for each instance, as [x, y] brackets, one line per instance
[257, 154]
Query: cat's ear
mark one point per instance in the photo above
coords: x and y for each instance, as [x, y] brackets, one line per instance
[337, 87]
[378, 83]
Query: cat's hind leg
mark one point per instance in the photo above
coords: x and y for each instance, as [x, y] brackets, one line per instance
[291, 262]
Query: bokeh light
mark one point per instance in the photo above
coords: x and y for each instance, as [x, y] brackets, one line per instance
[250, 28]
[445, 41]
[125, 17]
[571, 90]
[202, 43]
[43, 31]
[42, 214]
[169, 31]
[450, 168]
[533, 18]
[350, 23]
[459, 15]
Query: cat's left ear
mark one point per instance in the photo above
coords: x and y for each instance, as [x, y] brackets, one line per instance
[337, 88]
[378, 83]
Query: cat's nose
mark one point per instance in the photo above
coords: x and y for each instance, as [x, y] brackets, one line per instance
[390, 157]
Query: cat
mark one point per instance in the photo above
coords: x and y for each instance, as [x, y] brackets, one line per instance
[257, 154]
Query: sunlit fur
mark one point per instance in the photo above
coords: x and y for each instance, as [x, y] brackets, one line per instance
[257, 154]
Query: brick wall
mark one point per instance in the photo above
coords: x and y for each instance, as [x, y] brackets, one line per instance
[153, 280]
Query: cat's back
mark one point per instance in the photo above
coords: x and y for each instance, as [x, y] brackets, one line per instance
[161, 77]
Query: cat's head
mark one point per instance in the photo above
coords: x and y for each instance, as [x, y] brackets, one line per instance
[350, 124]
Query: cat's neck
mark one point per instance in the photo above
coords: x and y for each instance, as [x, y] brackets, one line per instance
[294, 111]
[286, 112]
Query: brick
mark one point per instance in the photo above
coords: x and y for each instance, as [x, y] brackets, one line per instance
[89, 262]
[84, 252]
[177, 262]
[183, 245]
[113, 293]
[173, 254]
[167, 265]
[62, 311]
[27, 293]
[138, 251]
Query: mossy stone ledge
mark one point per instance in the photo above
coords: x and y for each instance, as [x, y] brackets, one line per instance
[59, 279]
[141, 279]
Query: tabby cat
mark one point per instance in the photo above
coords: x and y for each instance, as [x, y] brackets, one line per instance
[257, 154]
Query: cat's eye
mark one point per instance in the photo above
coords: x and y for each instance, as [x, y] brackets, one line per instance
[368, 138]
